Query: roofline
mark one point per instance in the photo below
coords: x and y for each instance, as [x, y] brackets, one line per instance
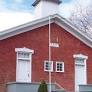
[69, 27]
[24, 28]
[37, 1]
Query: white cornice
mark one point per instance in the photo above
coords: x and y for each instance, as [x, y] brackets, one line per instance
[24, 49]
[80, 56]
[69, 27]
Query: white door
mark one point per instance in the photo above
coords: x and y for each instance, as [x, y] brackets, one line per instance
[80, 76]
[23, 71]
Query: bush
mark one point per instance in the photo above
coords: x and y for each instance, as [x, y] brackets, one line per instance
[43, 87]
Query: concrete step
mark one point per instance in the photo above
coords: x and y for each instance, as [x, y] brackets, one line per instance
[29, 87]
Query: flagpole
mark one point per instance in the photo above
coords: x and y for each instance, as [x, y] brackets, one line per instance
[49, 55]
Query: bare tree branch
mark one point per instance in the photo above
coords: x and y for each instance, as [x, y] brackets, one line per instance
[82, 19]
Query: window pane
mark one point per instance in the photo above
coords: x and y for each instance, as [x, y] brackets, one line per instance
[23, 55]
[59, 66]
[80, 61]
[48, 66]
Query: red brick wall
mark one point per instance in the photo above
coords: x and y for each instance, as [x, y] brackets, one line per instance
[38, 41]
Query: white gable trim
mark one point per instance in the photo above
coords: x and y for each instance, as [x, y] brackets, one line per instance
[23, 28]
[44, 21]
[69, 27]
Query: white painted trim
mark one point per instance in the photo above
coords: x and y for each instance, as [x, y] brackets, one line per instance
[62, 66]
[86, 69]
[49, 34]
[56, 18]
[80, 56]
[75, 32]
[16, 66]
[24, 28]
[30, 59]
[83, 57]
[46, 61]
[24, 49]
[31, 67]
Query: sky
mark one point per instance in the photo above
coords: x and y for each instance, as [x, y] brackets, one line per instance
[17, 12]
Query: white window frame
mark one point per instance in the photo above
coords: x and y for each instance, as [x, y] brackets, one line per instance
[23, 58]
[24, 50]
[80, 59]
[29, 59]
[51, 68]
[62, 66]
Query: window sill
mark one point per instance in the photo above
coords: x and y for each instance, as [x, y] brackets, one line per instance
[48, 71]
[59, 71]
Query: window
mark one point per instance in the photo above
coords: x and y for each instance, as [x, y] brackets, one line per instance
[23, 64]
[24, 54]
[80, 59]
[59, 66]
[48, 66]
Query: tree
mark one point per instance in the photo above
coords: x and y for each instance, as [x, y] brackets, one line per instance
[43, 87]
[82, 19]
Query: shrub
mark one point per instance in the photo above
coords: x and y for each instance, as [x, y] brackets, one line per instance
[43, 87]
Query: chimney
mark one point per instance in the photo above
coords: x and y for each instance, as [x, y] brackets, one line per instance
[45, 8]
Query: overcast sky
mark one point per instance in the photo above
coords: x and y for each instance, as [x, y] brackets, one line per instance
[16, 12]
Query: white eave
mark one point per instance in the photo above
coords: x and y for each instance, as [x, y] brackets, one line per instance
[69, 27]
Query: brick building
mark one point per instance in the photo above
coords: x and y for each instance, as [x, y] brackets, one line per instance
[24, 51]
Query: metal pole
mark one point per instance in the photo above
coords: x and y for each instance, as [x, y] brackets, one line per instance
[49, 55]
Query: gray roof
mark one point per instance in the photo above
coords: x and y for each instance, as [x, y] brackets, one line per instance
[37, 1]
